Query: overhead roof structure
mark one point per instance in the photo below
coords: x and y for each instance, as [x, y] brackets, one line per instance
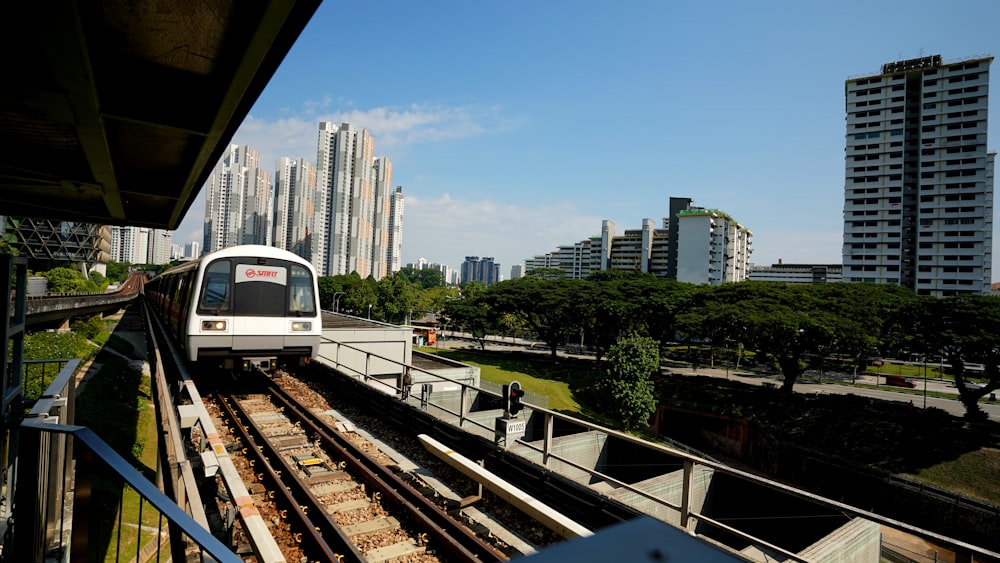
[114, 112]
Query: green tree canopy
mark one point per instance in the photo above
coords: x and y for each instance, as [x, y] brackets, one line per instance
[68, 280]
[628, 385]
[118, 271]
[425, 278]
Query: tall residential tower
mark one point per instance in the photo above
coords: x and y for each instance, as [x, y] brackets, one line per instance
[238, 201]
[295, 207]
[355, 203]
[918, 191]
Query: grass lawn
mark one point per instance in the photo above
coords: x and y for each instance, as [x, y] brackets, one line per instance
[976, 474]
[556, 381]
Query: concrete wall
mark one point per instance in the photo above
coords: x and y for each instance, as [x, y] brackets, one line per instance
[858, 541]
[668, 487]
[393, 344]
[586, 449]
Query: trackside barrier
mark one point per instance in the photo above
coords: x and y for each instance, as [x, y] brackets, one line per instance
[543, 452]
[76, 499]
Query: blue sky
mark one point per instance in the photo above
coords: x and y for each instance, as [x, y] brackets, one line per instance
[517, 126]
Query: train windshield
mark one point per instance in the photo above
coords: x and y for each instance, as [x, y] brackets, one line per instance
[301, 299]
[258, 288]
[216, 296]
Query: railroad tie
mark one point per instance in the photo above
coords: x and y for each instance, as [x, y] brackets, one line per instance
[394, 551]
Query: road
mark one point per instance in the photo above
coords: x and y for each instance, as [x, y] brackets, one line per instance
[831, 382]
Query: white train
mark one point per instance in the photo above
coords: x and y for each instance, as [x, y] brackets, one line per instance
[241, 307]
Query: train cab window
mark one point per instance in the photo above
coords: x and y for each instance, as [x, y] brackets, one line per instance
[216, 295]
[301, 298]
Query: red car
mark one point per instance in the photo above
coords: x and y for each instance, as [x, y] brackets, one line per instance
[899, 381]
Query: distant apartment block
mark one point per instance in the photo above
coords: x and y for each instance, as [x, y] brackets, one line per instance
[517, 271]
[192, 250]
[797, 273]
[356, 204]
[395, 249]
[918, 191]
[295, 217]
[482, 270]
[695, 245]
[141, 245]
[238, 201]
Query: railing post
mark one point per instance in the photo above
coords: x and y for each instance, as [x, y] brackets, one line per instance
[461, 406]
[686, 493]
[547, 441]
[83, 509]
[29, 530]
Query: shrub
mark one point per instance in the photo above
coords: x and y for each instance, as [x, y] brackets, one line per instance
[89, 328]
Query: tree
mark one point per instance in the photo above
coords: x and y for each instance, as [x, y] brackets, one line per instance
[471, 315]
[425, 278]
[964, 329]
[118, 272]
[66, 280]
[781, 321]
[360, 295]
[98, 280]
[628, 384]
[393, 298]
[545, 305]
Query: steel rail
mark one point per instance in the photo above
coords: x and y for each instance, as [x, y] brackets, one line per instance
[450, 535]
[324, 535]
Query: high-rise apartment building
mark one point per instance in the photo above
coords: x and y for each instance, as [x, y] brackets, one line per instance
[295, 207]
[395, 256]
[355, 203]
[484, 270]
[695, 245]
[140, 245]
[192, 250]
[238, 201]
[918, 191]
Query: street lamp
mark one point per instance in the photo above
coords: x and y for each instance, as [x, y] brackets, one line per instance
[369, 311]
[336, 299]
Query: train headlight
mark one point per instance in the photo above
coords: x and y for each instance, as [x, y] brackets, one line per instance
[301, 326]
[213, 325]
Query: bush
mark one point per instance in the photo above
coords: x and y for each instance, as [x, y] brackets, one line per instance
[89, 328]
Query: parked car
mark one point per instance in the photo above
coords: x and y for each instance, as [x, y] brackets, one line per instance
[899, 381]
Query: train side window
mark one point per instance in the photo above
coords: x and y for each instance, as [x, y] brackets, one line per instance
[301, 298]
[216, 294]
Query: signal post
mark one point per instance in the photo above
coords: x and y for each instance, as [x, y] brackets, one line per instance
[509, 426]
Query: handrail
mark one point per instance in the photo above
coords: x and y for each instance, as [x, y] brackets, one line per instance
[685, 512]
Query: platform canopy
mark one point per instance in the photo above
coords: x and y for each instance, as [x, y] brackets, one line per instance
[115, 111]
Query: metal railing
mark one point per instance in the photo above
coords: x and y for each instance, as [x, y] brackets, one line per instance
[542, 452]
[76, 499]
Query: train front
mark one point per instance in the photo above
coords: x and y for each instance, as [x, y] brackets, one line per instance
[256, 312]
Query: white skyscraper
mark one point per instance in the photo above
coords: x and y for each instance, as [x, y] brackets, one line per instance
[238, 201]
[140, 245]
[355, 203]
[918, 189]
[295, 207]
[395, 255]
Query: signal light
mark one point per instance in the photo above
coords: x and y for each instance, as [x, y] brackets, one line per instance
[512, 394]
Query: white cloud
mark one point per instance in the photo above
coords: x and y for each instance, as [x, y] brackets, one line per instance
[446, 230]
[393, 128]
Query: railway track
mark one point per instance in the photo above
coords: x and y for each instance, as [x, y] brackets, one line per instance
[331, 496]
